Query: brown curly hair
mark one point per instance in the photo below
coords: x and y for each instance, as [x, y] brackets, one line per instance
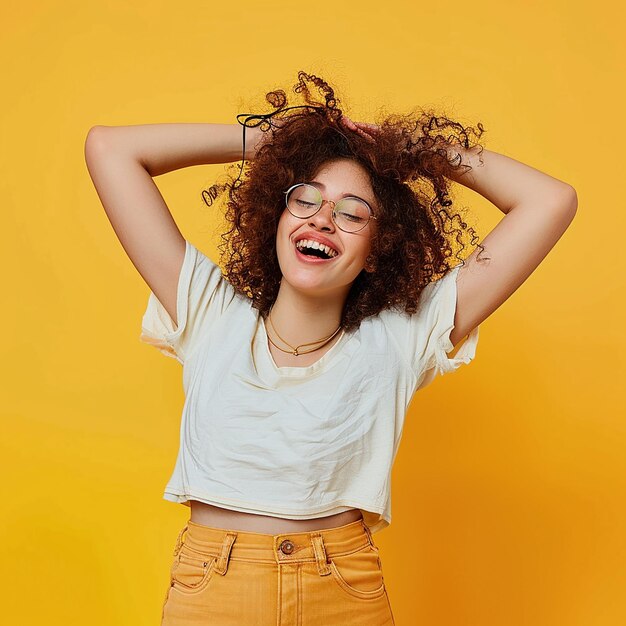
[408, 164]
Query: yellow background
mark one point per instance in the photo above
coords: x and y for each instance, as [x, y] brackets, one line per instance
[508, 491]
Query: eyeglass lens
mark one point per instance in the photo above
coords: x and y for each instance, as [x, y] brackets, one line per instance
[351, 214]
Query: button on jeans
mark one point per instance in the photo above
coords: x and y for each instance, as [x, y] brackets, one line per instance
[327, 577]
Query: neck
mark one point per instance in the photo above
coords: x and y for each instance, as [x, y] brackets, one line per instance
[301, 317]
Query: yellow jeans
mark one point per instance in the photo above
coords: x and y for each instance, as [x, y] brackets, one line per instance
[327, 577]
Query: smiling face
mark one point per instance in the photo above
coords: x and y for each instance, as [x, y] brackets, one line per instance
[335, 179]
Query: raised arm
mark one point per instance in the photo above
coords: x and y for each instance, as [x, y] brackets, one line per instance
[122, 160]
[538, 209]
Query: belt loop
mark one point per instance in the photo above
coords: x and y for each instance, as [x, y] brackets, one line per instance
[320, 553]
[221, 565]
[368, 532]
[179, 541]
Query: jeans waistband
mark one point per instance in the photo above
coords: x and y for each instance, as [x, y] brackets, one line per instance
[291, 547]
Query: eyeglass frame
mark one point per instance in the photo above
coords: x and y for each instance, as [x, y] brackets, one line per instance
[334, 204]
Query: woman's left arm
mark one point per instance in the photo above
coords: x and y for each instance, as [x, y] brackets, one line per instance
[538, 209]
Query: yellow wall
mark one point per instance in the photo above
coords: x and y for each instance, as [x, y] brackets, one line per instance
[508, 492]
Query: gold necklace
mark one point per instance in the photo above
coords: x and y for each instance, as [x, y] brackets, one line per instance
[295, 349]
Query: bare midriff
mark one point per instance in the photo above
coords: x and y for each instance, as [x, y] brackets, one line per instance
[218, 517]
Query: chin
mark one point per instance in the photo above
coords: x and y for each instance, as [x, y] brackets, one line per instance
[301, 283]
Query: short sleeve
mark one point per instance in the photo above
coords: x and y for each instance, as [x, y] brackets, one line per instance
[424, 337]
[203, 296]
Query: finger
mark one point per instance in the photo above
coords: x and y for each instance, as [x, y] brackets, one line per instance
[349, 123]
[369, 127]
[366, 135]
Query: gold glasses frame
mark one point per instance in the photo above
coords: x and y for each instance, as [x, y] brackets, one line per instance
[333, 204]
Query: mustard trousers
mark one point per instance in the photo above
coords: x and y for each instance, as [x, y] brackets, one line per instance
[327, 577]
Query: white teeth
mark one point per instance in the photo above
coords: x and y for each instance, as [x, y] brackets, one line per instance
[309, 243]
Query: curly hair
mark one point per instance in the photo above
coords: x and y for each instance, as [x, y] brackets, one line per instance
[408, 165]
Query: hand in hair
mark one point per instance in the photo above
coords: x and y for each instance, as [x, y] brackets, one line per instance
[368, 131]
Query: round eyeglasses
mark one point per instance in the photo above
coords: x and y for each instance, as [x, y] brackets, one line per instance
[349, 214]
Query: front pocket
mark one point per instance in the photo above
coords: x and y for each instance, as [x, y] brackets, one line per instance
[191, 571]
[359, 574]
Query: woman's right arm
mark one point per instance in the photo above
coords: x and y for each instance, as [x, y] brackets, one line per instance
[122, 160]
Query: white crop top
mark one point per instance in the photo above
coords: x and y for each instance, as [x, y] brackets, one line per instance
[294, 442]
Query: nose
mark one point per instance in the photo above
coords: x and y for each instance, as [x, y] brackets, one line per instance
[324, 216]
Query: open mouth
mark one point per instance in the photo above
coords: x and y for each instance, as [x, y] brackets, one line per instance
[314, 252]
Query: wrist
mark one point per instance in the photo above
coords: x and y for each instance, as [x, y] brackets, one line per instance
[463, 157]
[254, 138]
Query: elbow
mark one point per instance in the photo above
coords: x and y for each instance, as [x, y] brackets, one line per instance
[568, 205]
[571, 199]
[566, 200]
[97, 140]
[95, 134]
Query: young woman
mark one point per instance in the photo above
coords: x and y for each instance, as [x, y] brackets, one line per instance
[344, 292]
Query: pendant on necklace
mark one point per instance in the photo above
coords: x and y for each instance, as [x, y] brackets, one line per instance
[295, 352]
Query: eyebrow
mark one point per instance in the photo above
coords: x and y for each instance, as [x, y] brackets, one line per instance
[345, 195]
